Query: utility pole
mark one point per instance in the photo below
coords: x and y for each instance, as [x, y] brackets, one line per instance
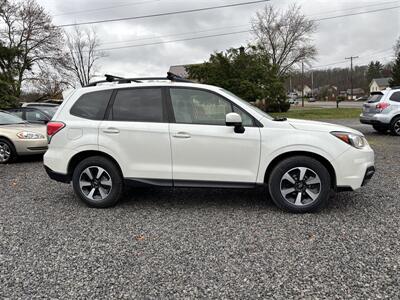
[312, 83]
[351, 73]
[302, 83]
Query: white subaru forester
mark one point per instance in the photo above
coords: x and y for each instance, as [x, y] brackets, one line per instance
[153, 131]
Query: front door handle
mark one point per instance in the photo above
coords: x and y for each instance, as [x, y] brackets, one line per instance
[111, 130]
[182, 135]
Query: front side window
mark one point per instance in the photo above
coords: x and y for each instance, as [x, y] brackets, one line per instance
[92, 105]
[192, 106]
[138, 105]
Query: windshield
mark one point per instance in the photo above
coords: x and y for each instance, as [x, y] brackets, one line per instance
[263, 113]
[7, 119]
[375, 98]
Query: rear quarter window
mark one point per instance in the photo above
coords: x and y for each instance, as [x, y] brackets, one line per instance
[395, 97]
[92, 105]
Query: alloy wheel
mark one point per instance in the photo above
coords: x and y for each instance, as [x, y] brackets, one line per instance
[95, 183]
[5, 152]
[300, 186]
[397, 127]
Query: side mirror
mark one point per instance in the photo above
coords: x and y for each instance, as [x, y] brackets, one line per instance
[235, 120]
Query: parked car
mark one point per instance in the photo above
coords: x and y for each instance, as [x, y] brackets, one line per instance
[18, 138]
[183, 134]
[34, 115]
[382, 111]
[293, 101]
[312, 100]
[362, 99]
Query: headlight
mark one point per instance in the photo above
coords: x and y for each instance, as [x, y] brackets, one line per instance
[27, 135]
[355, 140]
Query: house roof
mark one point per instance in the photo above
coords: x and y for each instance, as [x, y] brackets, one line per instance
[179, 70]
[382, 82]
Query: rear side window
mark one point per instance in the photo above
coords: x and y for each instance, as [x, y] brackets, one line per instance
[138, 105]
[92, 105]
[375, 98]
[395, 97]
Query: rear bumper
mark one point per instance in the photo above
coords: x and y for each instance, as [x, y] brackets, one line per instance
[375, 119]
[64, 178]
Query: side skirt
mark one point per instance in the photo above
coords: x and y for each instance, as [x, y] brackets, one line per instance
[140, 182]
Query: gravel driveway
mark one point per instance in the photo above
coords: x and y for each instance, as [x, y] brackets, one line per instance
[194, 243]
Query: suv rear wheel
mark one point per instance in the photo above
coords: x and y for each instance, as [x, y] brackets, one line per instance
[98, 182]
[395, 126]
[300, 184]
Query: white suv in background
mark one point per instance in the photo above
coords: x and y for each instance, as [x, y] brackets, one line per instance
[181, 134]
[382, 111]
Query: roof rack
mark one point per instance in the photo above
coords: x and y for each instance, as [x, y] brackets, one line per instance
[111, 78]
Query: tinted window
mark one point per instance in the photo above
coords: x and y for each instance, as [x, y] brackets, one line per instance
[92, 105]
[138, 105]
[395, 97]
[6, 119]
[201, 107]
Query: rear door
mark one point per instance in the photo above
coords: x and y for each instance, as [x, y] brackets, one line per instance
[136, 133]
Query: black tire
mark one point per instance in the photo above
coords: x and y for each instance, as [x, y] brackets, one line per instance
[315, 171]
[395, 126]
[6, 145]
[380, 128]
[110, 172]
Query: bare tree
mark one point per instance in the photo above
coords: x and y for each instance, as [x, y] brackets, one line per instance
[285, 36]
[25, 26]
[83, 53]
[397, 47]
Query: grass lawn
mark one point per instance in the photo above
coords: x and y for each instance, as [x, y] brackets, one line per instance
[321, 113]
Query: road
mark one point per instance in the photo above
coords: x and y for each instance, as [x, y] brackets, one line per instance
[199, 243]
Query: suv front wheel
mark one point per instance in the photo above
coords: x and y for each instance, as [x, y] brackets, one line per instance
[300, 184]
[98, 182]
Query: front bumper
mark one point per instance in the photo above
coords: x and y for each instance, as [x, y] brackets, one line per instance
[354, 168]
[30, 147]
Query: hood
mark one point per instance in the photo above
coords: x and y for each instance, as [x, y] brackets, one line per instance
[319, 126]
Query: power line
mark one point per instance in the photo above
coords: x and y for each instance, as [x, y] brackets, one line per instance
[173, 41]
[163, 14]
[103, 8]
[176, 34]
[357, 13]
[230, 33]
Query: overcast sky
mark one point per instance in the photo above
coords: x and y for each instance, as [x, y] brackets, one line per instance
[369, 36]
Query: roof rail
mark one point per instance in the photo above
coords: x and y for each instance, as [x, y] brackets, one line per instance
[111, 78]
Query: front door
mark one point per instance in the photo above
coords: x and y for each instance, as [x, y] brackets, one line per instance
[204, 149]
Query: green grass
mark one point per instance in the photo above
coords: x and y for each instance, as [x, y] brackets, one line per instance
[321, 113]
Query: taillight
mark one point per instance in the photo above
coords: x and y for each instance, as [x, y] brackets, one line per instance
[382, 106]
[53, 128]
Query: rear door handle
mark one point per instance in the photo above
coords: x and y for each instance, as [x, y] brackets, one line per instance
[111, 130]
[182, 135]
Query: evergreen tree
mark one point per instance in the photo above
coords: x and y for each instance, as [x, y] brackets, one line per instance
[375, 70]
[247, 73]
[396, 73]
